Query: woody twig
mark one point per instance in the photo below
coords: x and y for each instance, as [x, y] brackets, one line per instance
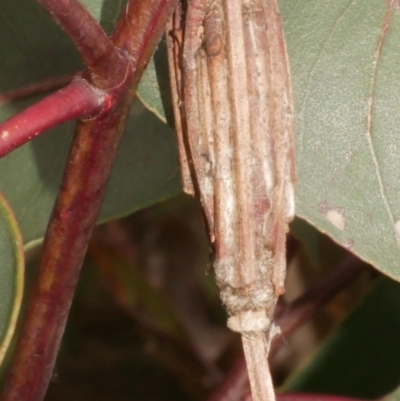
[234, 116]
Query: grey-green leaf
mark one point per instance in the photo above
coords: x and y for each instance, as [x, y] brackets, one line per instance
[35, 48]
[11, 275]
[146, 171]
[344, 58]
[393, 396]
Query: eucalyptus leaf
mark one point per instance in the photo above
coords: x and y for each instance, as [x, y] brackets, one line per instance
[346, 73]
[344, 59]
[146, 169]
[345, 70]
[393, 396]
[11, 275]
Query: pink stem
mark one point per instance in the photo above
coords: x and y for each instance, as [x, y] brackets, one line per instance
[101, 58]
[35, 88]
[77, 100]
[139, 14]
[76, 208]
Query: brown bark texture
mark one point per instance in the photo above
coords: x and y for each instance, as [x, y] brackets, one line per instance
[234, 121]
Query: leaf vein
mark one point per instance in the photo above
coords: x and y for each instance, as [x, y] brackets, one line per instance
[370, 139]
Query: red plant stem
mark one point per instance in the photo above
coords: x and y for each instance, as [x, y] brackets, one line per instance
[147, 18]
[102, 59]
[35, 88]
[65, 244]
[300, 311]
[77, 100]
[74, 215]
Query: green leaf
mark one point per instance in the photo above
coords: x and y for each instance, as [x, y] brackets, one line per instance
[346, 80]
[394, 396]
[362, 358]
[33, 46]
[346, 73]
[309, 237]
[146, 170]
[154, 88]
[11, 275]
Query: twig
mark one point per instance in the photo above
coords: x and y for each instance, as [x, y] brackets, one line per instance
[65, 244]
[87, 171]
[232, 96]
[300, 311]
[77, 100]
[103, 61]
[35, 88]
[144, 18]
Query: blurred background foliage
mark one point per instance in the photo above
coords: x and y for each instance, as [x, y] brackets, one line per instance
[147, 322]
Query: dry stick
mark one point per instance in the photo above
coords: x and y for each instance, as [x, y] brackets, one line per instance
[297, 313]
[88, 167]
[233, 103]
[77, 100]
